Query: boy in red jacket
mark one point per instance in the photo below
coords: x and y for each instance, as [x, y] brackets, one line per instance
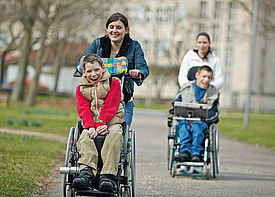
[100, 108]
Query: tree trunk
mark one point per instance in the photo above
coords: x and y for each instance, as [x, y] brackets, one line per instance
[2, 67]
[39, 63]
[58, 62]
[19, 86]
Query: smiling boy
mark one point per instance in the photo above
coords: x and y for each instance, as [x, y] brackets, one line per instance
[199, 91]
[99, 106]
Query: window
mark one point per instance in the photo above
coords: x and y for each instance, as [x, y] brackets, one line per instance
[215, 50]
[139, 14]
[170, 15]
[262, 71]
[217, 14]
[202, 28]
[216, 30]
[230, 33]
[157, 48]
[181, 14]
[232, 10]
[167, 48]
[159, 15]
[179, 47]
[228, 57]
[117, 8]
[203, 10]
[86, 15]
[227, 76]
[145, 47]
[147, 14]
[2, 40]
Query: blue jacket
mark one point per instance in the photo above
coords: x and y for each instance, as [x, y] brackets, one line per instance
[131, 49]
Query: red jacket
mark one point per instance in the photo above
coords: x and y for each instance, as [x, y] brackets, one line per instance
[108, 110]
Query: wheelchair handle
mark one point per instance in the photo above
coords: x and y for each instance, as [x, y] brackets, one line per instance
[127, 75]
[68, 170]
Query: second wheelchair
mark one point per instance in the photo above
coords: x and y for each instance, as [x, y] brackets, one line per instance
[210, 154]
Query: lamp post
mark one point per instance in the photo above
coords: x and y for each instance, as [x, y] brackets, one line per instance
[251, 62]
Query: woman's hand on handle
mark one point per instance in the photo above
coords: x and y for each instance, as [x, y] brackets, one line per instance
[135, 74]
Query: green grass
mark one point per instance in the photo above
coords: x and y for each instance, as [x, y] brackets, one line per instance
[260, 132]
[39, 118]
[24, 161]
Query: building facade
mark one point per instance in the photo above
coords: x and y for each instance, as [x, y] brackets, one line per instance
[167, 30]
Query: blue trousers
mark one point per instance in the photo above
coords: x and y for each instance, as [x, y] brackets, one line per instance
[194, 133]
[128, 114]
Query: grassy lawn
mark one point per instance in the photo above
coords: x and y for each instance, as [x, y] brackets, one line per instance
[51, 119]
[24, 161]
[261, 130]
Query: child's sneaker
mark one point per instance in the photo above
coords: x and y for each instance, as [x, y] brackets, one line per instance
[84, 180]
[106, 183]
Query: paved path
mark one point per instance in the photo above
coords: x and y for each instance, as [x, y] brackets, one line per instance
[49, 136]
[245, 170]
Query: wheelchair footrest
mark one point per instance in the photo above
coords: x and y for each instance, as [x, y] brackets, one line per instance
[195, 164]
[93, 193]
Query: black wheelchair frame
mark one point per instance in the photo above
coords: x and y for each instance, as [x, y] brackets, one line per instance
[126, 177]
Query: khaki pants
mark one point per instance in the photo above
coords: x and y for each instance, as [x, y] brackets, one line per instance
[110, 152]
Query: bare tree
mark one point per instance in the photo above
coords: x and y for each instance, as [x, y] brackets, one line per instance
[10, 38]
[28, 10]
[58, 21]
[45, 19]
[267, 5]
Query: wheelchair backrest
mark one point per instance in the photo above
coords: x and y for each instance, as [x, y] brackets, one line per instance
[117, 66]
[192, 72]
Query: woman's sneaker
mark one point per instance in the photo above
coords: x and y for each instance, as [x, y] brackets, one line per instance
[84, 181]
[106, 183]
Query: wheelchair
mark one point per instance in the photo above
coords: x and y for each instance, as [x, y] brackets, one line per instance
[210, 154]
[126, 178]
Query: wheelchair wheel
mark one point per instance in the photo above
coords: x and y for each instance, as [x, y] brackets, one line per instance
[173, 171]
[67, 189]
[126, 192]
[129, 166]
[133, 164]
[170, 154]
[207, 157]
[214, 150]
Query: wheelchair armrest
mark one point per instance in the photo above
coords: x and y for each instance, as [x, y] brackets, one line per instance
[213, 119]
[169, 121]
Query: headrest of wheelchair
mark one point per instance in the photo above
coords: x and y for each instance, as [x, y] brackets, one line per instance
[191, 75]
[116, 66]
